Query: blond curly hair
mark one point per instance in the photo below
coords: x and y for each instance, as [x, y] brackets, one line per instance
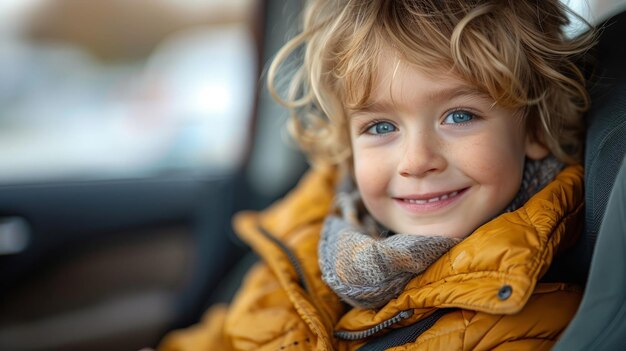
[515, 51]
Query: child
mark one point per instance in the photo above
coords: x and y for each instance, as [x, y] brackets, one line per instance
[445, 141]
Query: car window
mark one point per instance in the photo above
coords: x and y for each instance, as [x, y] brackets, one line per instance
[116, 89]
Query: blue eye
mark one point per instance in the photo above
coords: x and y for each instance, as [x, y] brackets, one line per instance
[381, 128]
[458, 117]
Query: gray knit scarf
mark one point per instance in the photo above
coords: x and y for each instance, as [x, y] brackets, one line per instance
[367, 266]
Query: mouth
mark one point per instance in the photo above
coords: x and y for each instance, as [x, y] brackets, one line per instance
[431, 201]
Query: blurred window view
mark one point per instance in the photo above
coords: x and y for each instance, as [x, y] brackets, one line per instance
[111, 89]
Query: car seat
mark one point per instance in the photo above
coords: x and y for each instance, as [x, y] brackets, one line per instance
[600, 323]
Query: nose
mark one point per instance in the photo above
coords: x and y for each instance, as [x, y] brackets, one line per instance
[422, 154]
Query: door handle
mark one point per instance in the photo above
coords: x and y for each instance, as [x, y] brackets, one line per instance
[15, 235]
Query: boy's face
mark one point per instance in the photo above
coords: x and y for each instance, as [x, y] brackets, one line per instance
[432, 156]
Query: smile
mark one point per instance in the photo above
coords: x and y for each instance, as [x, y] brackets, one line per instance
[433, 199]
[427, 203]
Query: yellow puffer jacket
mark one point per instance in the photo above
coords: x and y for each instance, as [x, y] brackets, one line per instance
[490, 280]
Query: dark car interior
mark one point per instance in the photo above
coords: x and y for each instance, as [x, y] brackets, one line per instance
[115, 263]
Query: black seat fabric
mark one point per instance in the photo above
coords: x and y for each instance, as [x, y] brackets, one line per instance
[605, 145]
[600, 323]
[606, 123]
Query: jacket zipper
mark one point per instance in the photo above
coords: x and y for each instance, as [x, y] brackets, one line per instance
[341, 334]
[362, 334]
[303, 282]
[290, 256]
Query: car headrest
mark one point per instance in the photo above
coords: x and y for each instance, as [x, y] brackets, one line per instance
[606, 127]
[605, 144]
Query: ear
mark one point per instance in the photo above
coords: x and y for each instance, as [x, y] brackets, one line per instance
[535, 150]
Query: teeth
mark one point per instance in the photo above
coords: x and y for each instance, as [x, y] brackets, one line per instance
[434, 199]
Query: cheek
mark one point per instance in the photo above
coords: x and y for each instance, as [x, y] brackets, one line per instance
[504, 179]
[496, 160]
[370, 175]
[364, 170]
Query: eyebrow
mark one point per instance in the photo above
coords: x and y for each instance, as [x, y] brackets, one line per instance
[438, 95]
[451, 93]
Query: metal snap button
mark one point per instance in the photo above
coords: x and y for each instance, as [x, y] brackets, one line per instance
[505, 292]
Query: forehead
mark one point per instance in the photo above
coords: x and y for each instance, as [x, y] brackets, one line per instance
[396, 82]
